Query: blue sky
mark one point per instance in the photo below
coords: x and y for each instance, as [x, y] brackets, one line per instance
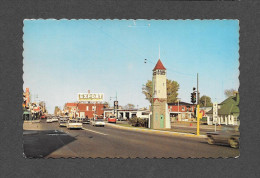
[66, 57]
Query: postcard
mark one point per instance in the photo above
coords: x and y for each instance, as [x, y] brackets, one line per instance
[131, 88]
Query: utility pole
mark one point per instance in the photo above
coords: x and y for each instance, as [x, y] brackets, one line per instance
[199, 115]
[198, 95]
[116, 108]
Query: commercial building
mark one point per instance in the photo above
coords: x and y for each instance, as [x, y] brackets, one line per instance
[181, 111]
[83, 110]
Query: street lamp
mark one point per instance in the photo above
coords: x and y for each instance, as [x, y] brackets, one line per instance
[145, 61]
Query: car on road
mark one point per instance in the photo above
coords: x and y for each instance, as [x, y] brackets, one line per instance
[80, 119]
[49, 120]
[55, 119]
[86, 121]
[229, 135]
[43, 116]
[111, 119]
[74, 124]
[98, 122]
[63, 122]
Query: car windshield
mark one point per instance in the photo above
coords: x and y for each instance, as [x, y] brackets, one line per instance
[73, 121]
[99, 120]
[112, 116]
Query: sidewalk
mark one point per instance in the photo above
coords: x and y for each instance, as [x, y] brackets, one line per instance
[146, 130]
[29, 125]
[194, 125]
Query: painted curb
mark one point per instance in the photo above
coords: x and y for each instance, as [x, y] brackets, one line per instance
[157, 131]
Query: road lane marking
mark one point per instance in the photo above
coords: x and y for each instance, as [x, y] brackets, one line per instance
[94, 131]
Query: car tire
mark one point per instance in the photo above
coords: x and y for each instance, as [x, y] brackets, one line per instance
[233, 143]
[210, 140]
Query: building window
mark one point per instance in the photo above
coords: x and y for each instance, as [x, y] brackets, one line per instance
[87, 108]
[93, 108]
[183, 108]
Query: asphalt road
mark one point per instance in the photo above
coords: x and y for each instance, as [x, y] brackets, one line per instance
[52, 141]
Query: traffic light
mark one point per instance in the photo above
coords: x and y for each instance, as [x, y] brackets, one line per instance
[193, 97]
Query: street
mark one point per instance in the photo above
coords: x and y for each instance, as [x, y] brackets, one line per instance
[48, 140]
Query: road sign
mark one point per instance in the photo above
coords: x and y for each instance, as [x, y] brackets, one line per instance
[215, 113]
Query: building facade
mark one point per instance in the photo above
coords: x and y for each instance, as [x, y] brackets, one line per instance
[228, 112]
[83, 110]
[181, 111]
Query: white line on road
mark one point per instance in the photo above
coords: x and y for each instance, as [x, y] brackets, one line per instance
[94, 131]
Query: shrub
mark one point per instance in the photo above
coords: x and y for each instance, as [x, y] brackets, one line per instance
[138, 122]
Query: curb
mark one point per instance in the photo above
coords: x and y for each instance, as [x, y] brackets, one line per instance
[157, 131]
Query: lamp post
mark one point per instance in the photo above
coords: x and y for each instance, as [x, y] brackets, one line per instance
[150, 123]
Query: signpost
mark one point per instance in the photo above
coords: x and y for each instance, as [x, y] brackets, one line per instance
[215, 114]
[199, 116]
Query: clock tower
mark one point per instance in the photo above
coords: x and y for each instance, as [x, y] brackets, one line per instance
[160, 115]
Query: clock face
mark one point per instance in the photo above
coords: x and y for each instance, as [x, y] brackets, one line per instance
[159, 72]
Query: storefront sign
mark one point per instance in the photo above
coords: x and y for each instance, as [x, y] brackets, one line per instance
[90, 96]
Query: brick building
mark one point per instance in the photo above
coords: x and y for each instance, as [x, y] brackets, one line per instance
[84, 109]
[184, 110]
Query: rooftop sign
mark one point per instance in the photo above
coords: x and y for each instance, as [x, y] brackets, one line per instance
[90, 96]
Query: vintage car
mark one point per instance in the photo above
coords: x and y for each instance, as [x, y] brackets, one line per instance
[86, 121]
[111, 119]
[74, 124]
[49, 120]
[98, 122]
[229, 135]
[63, 122]
[55, 119]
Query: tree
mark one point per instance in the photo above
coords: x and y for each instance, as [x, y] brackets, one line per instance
[106, 104]
[205, 101]
[230, 92]
[172, 91]
[129, 106]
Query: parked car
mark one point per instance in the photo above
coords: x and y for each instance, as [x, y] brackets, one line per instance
[63, 122]
[49, 120]
[74, 124]
[228, 135]
[111, 119]
[98, 122]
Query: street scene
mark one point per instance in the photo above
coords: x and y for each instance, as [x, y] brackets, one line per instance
[131, 89]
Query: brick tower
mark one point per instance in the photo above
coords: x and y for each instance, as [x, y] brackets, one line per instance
[160, 115]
